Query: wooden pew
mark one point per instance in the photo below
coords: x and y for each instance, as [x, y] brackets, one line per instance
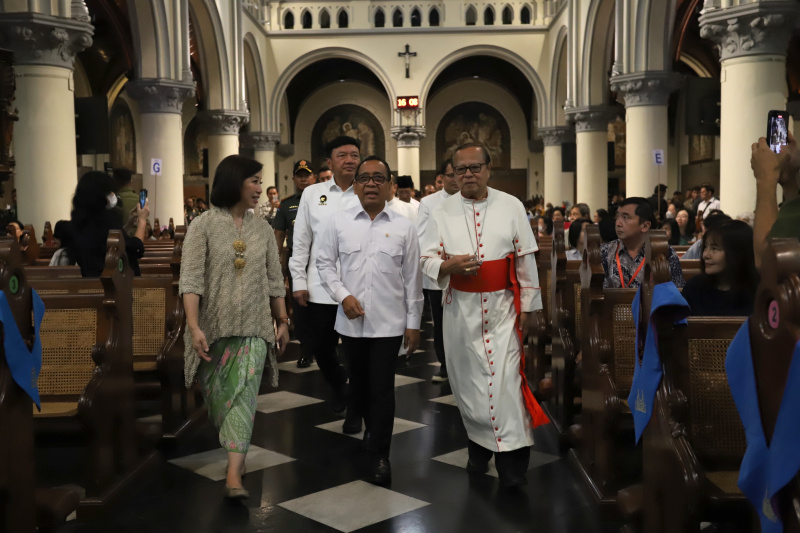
[537, 358]
[604, 456]
[777, 334]
[87, 373]
[694, 442]
[565, 345]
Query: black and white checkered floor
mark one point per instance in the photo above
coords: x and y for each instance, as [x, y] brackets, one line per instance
[304, 474]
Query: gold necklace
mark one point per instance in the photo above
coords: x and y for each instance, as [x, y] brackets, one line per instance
[239, 246]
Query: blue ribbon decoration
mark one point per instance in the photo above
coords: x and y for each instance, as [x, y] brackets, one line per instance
[25, 364]
[668, 306]
[765, 469]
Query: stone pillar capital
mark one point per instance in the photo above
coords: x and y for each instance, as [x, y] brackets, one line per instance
[759, 28]
[224, 121]
[159, 95]
[43, 39]
[556, 136]
[646, 88]
[590, 118]
[261, 141]
[408, 136]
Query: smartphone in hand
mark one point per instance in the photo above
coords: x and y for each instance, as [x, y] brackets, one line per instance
[777, 130]
[142, 197]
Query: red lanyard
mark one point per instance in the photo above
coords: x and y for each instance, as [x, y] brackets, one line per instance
[619, 269]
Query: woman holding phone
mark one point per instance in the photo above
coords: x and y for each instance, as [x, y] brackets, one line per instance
[229, 268]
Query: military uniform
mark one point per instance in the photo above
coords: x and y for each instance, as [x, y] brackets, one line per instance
[284, 220]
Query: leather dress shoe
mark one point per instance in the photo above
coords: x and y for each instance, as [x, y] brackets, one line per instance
[511, 482]
[236, 493]
[477, 468]
[339, 402]
[381, 472]
[352, 422]
[305, 361]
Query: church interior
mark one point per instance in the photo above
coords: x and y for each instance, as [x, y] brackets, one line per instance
[576, 101]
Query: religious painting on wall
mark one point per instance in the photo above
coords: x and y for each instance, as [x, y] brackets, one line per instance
[353, 121]
[475, 122]
[617, 134]
[123, 136]
[195, 140]
[701, 148]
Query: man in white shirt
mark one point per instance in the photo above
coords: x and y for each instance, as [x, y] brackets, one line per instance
[319, 203]
[405, 191]
[709, 203]
[398, 206]
[379, 292]
[433, 293]
[480, 248]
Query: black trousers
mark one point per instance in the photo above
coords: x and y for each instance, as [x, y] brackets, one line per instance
[372, 364]
[434, 298]
[508, 464]
[322, 341]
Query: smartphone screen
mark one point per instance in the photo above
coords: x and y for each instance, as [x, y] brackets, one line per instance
[142, 197]
[777, 130]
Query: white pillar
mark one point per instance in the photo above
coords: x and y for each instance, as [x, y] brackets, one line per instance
[223, 137]
[408, 152]
[558, 185]
[591, 138]
[161, 138]
[264, 144]
[752, 42]
[44, 138]
[646, 114]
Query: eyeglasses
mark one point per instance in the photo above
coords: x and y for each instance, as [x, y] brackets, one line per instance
[363, 179]
[474, 169]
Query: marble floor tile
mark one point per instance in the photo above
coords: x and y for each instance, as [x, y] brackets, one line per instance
[353, 506]
[283, 400]
[459, 458]
[400, 380]
[446, 400]
[291, 366]
[400, 426]
[211, 464]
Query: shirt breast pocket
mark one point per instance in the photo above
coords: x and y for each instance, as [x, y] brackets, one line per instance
[350, 255]
[390, 258]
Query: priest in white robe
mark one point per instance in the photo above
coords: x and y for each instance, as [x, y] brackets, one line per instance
[479, 248]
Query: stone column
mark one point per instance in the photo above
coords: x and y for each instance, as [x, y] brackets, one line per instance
[264, 143]
[223, 136]
[752, 41]
[44, 138]
[161, 134]
[408, 138]
[591, 138]
[558, 185]
[646, 114]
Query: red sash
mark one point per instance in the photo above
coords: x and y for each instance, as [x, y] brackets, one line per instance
[496, 276]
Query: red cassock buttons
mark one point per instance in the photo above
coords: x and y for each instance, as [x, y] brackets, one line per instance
[486, 322]
[485, 300]
[481, 245]
[491, 407]
[438, 253]
[492, 418]
[477, 214]
[486, 311]
[498, 440]
[516, 240]
[519, 250]
[490, 396]
[479, 223]
[497, 429]
[487, 341]
[493, 373]
[490, 384]
[481, 256]
[486, 331]
[441, 244]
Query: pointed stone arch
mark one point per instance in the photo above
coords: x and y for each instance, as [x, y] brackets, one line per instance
[416, 17]
[214, 66]
[255, 83]
[525, 14]
[597, 54]
[278, 94]
[558, 82]
[324, 18]
[540, 94]
[288, 19]
[508, 15]
[489, 15]
[471, 15]
[306, 19]
[434, 18]
[379, 18]
[397, 17]
[343, 18]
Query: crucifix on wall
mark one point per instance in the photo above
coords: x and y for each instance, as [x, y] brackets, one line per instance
[408, 54]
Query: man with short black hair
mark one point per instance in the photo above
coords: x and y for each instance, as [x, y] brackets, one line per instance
[283, 225]
[394, 203]
[429, 205]
[317, 205]
[658, 201]
[709, 202]
[623, 258]
[324, 174]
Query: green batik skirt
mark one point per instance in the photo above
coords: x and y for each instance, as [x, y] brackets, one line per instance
[230, 385]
